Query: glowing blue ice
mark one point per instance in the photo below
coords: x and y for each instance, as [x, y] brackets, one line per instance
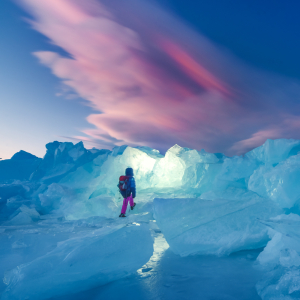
[59, 214]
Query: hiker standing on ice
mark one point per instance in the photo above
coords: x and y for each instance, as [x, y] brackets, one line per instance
[127, 189]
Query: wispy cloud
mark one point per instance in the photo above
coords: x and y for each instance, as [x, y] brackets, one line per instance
[154, 81]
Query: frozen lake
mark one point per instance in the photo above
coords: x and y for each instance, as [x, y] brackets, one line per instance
[169, 276]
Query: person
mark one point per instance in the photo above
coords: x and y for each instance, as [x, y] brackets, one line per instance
[132, 193]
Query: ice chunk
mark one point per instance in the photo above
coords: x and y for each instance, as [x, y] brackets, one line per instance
[181, 166]
[100, 152]
[195, 226]
[115, 166]
[19, 167]
[15, 202]
[168, 171]
[51, 199]
[61, 159]
[40, 238]
[74, 209]
[280, 260]
[274, 151]
[151, 152]
[201, 176]
[77, 204]
[231, 193]
[235, 172]
[82, 263]
[77, 151]
[10, 190]
[20, 219]
[23, 155]
[86, 175]
[118, 150]
[24, 215]
[279, 183]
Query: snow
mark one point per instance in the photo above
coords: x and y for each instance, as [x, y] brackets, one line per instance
[60, 235]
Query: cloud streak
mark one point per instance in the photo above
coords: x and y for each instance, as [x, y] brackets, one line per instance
[154, 81]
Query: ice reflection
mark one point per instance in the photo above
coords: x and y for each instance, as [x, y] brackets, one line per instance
[160, 246]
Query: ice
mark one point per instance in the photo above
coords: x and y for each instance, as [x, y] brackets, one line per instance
[280, 260]
[151, 152]
[71, 181]
[61, 159]
[19, 167]
[219, 227]
[204, 204]
[96, 206]
[140, 161]
[235, 172]
[279, 183]
[274, 151]
[24, 215]
[180, 166]
[169, 276]
[92, 189]
[88, 259]
[10, 190]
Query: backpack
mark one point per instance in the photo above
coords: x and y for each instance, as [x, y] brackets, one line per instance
[124, 186]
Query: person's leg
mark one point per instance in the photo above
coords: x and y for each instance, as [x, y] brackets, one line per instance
[124, 207]
[131, 200]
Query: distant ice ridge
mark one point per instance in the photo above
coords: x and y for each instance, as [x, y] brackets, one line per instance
[204, 203]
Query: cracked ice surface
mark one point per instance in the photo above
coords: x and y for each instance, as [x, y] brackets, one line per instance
[197, 226]
[69, 257]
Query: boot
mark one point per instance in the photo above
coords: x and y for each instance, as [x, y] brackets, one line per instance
[132, 207]
[122, 216]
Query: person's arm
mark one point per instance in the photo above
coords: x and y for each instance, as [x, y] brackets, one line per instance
[133, 187]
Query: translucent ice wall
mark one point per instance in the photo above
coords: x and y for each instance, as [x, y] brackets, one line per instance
[76, 183]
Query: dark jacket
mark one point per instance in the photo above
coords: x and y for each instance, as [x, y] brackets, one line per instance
[129, 172]
[132, 186]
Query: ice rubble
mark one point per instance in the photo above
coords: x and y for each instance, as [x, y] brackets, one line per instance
[280, 260]
[204, 203]
[89, 258]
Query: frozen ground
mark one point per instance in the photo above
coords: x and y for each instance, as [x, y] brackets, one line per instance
[206, 226]
[162, 275]
[170, 276]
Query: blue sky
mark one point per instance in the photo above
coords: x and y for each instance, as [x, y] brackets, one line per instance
[31, 114]
[262, 33]
[251, 41]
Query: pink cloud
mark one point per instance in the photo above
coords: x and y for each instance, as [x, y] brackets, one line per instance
[153, 81]
[258, 138]
[193, 68]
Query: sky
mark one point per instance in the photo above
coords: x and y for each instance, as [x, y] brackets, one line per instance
[223, 76]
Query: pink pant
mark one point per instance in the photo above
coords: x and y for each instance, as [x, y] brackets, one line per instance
[125, 203]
